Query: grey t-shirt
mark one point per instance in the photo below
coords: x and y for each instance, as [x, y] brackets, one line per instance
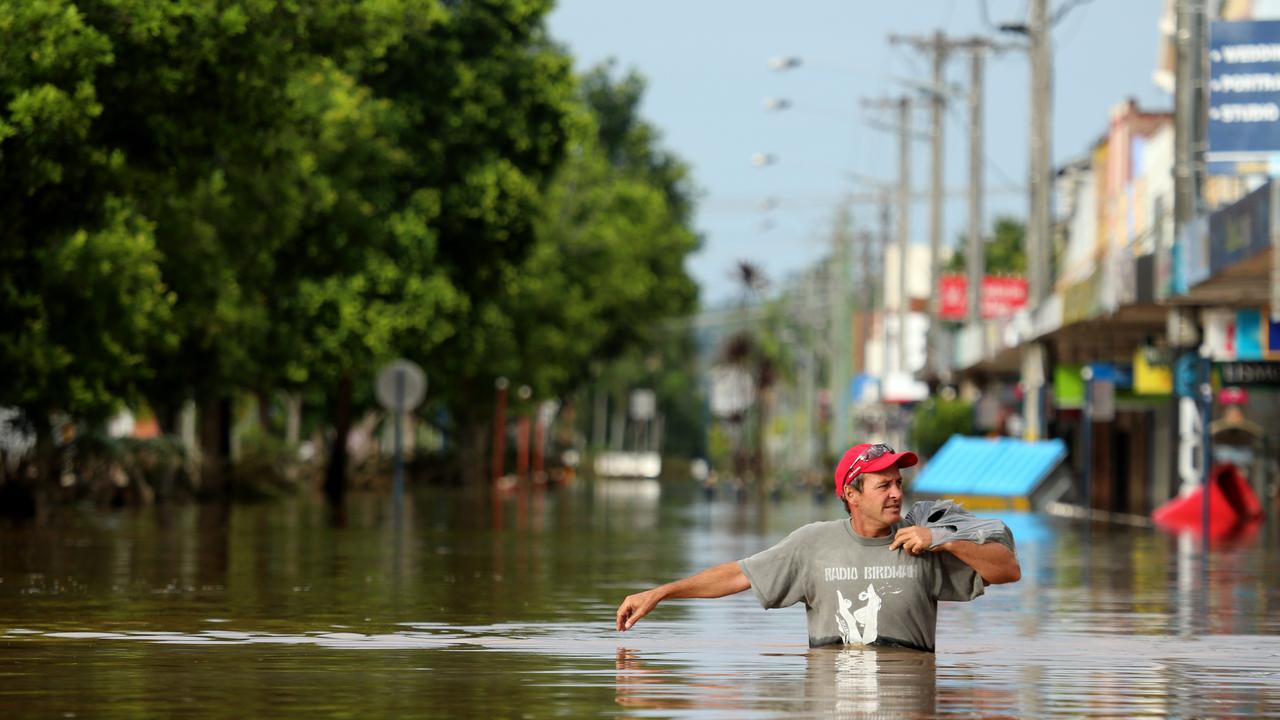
[855, 589]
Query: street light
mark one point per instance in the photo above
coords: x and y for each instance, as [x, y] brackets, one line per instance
[763, 159]
[776, 104]
[784, 63]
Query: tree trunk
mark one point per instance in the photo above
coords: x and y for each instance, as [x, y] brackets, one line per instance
[215, 445]
[764, 405]
[563, 436]
[335, 483]
[264, 411]
[167, 415]
[293, 422]
[474, 459]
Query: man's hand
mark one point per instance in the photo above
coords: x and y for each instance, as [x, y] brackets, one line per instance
[915, 540]
[714, 582]
[637, 606]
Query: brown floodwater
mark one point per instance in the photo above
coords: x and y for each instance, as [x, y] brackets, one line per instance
[479, 606]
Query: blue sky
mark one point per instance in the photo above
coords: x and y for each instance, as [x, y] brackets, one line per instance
[707, 66]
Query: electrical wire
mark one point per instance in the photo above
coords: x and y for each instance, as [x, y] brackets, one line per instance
[986, 17]
[1065, 9]
[987, 162]
[1070, 35]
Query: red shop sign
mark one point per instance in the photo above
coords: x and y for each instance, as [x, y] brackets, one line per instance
[1001, 296]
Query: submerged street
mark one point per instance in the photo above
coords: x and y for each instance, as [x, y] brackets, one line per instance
[504, 607]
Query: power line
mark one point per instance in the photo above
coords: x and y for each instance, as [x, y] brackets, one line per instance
[1011, 185]
[1065, 9]
[1058, 16]
[1070, 35]
[986, 17]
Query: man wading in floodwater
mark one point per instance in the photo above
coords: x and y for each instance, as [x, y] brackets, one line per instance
[874, 579]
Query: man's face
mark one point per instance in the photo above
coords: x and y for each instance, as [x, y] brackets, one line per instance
[880, 502]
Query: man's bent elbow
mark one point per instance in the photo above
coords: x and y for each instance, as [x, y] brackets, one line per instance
[1007, 574]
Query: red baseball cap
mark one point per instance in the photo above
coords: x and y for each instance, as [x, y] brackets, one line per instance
[869, 457]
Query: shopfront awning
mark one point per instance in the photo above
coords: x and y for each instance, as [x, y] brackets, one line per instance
[970, 467]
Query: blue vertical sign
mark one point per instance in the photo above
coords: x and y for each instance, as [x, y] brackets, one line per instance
[1244, 97]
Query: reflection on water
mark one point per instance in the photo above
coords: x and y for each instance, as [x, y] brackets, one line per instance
[503, 605]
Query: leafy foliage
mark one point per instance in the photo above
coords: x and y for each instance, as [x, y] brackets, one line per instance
[935, 420]
[81, 294]
[202, 199]
[1004, 254]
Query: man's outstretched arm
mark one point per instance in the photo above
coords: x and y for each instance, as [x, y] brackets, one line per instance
[714, 582]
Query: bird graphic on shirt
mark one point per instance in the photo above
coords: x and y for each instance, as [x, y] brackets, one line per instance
[868, 614]
[845, 620]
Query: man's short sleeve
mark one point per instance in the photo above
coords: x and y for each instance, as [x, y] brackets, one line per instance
[956, 581]
[777, 575]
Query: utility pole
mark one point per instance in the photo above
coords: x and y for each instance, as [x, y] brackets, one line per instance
[1195, 410]
[885, 226]
[975, 253]
[1035, 357]
[841, 341]
[866, 295]
[810, 318]
[1035, 371]
[904, 223]
[1038, 229]
[975, 248]
[1188, 119]
[938, 107]
[940, 47]
[903, 106]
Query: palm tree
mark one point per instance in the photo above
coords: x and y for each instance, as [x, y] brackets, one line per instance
[744, 351]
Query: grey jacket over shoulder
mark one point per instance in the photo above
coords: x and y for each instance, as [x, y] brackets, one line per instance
[948, 521]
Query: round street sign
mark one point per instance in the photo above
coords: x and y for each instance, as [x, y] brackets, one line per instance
[401, 385]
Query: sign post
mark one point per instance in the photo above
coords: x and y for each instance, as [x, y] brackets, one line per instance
[1190, 421]
[1206, 449]
[401, 387]
[1086, 421]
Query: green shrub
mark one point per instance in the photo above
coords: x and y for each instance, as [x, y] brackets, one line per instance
[935, 420]
[123, 471]
[266, 467]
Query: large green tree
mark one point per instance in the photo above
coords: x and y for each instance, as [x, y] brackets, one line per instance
[197, 103]
[203, 199]
[618, 233]
[484, 97]
[82, 298]
[604, 270]
[359, 279]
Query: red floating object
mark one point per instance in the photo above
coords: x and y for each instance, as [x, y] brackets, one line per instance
[1231, 503]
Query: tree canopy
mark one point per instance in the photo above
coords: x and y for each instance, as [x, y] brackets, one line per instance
[200, 199]
[1004, 254]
